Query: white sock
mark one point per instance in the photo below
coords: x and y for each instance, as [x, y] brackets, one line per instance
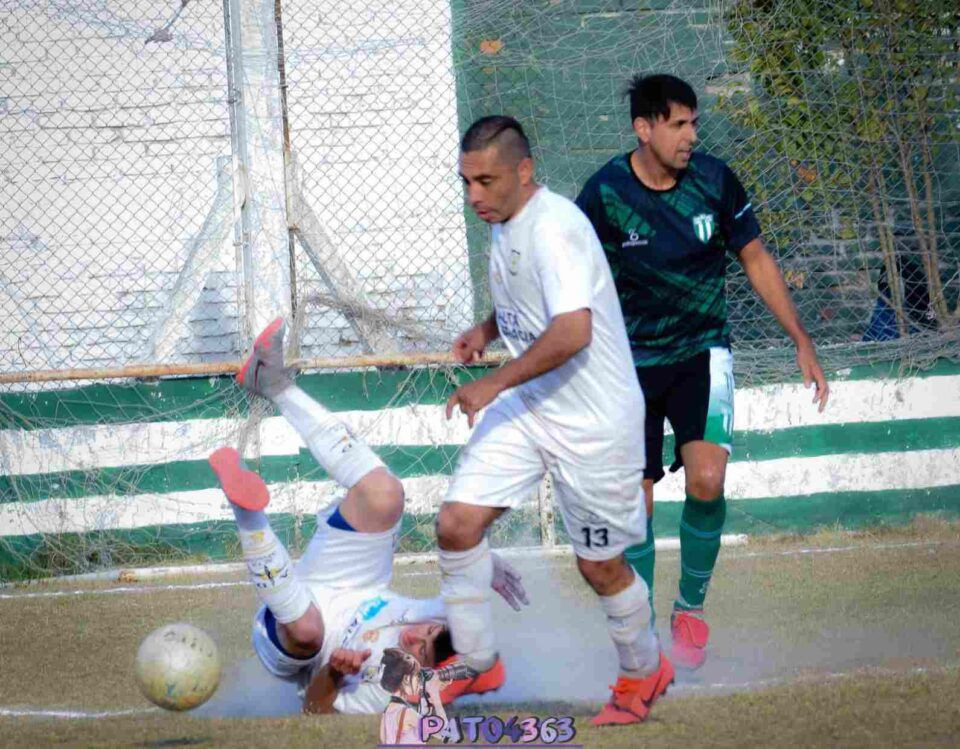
[271, 570]
[342, 455]
[465, 578]
[628, 621]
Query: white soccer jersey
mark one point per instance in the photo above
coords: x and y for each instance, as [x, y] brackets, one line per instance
[359, 621]
[546, 261]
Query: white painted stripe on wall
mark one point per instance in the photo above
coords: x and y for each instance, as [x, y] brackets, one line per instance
[851, 401]
[77, 448]
[767, 408]
[753, 480]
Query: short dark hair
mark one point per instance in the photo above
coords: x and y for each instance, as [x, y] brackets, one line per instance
[504, 132]
[443, 646]
[651, 95]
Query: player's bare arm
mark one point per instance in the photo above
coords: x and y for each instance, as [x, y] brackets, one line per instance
[322, 690]
[345, 661]
[767, 280]
[470, 345]
[566, 335]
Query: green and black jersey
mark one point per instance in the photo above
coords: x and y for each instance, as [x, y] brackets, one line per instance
[667, 252]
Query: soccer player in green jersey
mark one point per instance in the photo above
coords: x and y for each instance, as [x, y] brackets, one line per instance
[666, 217]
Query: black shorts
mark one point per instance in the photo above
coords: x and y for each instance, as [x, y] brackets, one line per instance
[696, 395]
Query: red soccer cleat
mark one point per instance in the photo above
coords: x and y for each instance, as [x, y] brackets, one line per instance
[690, 634]
[632, 698]
[243, 487]
[485, 681]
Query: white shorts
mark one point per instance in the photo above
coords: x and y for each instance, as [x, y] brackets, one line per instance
[506, 458]
[340, 568]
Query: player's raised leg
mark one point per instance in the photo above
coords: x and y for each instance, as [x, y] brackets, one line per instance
[300, 631]
[374, 501]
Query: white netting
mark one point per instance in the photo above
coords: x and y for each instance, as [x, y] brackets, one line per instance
[176, 172]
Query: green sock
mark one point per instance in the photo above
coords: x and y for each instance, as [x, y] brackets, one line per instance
[700, 527]
[641, 557]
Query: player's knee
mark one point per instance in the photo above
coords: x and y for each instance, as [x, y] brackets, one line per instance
[706, 483]
[377, 500]
[457, 530]
[605, 577]
[386, 496]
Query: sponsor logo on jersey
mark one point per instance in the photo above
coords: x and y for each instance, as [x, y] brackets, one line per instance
[510, 326]
[635, 240]
[703, 226]
[369, 609]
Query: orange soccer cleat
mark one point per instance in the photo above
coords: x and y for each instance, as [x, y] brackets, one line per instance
[476, 683]
[243, 487]
[690, 634]
[632, 698]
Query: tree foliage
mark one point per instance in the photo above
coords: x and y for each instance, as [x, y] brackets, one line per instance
[852, 118]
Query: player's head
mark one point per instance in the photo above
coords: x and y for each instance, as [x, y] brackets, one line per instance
[496, 168]
[663, 110]
[397, 665]
[428, 642]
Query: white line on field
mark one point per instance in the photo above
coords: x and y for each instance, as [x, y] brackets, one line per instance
[35, 712]
[122, 590]
[782, 680]
[544, 554]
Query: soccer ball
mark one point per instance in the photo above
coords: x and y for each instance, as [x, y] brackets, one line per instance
[178, 666]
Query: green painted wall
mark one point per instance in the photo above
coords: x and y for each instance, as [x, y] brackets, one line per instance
[113, 457]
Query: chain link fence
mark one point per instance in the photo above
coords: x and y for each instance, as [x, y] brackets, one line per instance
[124, 183]
[382, 262]
[175, 172]
[115, 175]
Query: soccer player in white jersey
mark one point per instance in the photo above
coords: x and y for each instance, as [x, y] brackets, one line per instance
[567, 403]
[327, 620]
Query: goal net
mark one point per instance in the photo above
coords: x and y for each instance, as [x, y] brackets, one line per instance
[178, 173]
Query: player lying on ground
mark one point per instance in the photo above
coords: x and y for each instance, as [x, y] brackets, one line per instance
[326, 620]
[568, 403]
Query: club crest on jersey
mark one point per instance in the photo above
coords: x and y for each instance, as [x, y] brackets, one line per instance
[703, 226]
[514, 262]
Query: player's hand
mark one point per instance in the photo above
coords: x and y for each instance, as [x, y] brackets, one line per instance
[346, 661]
[506, 581]
[469, 345]
[473, 397]
[812, 373]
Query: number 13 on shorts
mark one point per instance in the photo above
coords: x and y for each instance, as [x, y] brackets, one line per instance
[594, 537]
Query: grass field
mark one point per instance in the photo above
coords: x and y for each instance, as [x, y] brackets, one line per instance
[830, 640]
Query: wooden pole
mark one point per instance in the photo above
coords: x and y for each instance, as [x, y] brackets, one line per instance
[147, 371]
